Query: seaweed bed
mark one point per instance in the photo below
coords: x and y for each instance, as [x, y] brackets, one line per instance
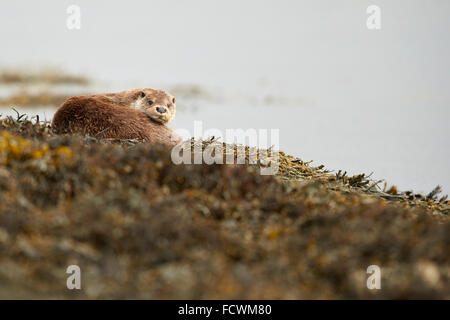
[46, 79]
[47, 75]
[141, 227]
[27, 99]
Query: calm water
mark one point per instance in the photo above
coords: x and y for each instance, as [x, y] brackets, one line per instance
[340, 95]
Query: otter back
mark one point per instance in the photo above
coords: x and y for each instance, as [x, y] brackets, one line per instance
[95, 117]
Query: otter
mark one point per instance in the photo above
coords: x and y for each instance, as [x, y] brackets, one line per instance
[132, 114]
[157, 104]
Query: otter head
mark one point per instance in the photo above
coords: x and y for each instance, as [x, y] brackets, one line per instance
[157, 104]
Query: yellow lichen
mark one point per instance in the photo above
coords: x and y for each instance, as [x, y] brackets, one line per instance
[16, 148]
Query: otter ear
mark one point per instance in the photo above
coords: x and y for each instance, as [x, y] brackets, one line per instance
[173, 100]
[140, 94]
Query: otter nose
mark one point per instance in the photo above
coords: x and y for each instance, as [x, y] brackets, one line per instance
[161, 109]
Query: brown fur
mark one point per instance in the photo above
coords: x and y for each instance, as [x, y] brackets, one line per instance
[97, 116]
[144, 99]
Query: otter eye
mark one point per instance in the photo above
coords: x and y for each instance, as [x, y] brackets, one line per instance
[150, 102]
